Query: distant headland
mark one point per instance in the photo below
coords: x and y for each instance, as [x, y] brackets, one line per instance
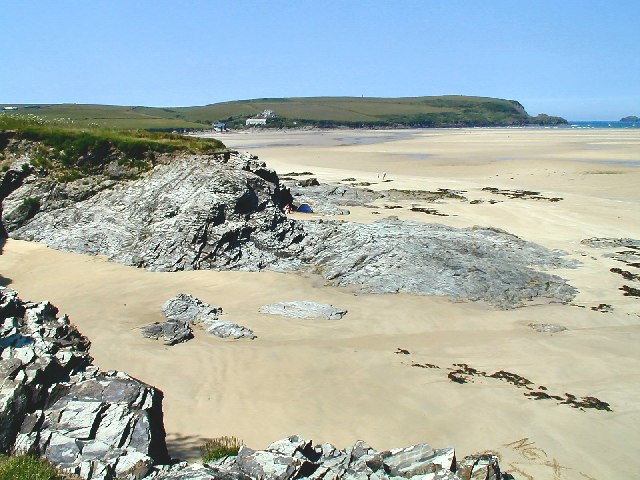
[630, 118]
[320, 112]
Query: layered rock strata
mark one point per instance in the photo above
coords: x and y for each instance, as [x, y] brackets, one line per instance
[295, 457]
[225, 212]
[54, 403]
[477, 263]
[197, 212]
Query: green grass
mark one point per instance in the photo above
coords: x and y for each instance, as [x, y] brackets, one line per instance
[27, 467]
[448, 110]
[72, 152]
[218, 448]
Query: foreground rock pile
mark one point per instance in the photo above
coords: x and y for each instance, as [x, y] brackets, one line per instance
[54, 403]
[107, 425]
[294, 457]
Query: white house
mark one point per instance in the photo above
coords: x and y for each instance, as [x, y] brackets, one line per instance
[256, 121]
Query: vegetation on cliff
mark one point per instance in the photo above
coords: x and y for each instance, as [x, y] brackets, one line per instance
[355, 112]
[70, 152]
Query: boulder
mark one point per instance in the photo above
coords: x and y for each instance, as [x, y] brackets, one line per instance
[185, 310]
[304, 309]
[171, 331]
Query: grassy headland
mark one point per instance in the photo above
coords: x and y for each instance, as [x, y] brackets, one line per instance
[356, 112]
[69, 151]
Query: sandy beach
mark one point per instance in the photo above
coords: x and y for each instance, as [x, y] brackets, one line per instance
[341, 381]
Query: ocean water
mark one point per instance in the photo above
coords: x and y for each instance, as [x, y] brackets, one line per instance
[603, 124]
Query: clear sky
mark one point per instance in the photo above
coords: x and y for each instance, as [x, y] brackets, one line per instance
[577, 59]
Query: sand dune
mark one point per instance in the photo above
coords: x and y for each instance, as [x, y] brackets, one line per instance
[341, 381]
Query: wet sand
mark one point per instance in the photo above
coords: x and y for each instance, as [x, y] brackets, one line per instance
[341, 381]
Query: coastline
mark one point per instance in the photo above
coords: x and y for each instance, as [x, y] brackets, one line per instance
[344, 381]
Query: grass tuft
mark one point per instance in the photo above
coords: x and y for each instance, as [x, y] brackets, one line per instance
[27, 467]
[220, 447]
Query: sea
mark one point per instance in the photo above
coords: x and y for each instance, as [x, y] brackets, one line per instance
[602, 124]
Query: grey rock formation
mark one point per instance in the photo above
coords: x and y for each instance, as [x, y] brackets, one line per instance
[53, 403]
[304, 309]
[194, 471]
[477, 263]
[183, 310]
[171, 331]
[327, 199]
[547, 328]
[100, 426]
[597, 242]
[186, 308]
[197, 212]
[224, 212]
[229, 330]
[295, 457]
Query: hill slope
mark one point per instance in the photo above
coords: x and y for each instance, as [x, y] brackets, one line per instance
[442, 111]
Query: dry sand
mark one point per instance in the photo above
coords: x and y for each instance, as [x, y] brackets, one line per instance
[341, 381]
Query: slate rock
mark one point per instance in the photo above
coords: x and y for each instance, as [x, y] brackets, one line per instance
[197, 212]
[295, 457]
[186, 310]
[390, 256]
[327, 199]
[54, 403]
[598, 242]
[107, 422]
[229, 330]
[171, 331]
[547, 328]
[304, 309]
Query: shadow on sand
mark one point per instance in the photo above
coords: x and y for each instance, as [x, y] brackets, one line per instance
[4, 281]
[184, 447]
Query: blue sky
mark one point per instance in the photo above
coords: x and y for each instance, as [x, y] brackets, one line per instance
[576, 59]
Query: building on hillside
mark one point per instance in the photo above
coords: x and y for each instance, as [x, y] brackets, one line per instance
[256, 121]
[9, 108]
[262, 118]
[219, 126]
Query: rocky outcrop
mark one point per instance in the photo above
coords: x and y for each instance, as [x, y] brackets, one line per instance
[295, 457]
[598, 242]
[304, 309]
[329, 199]
[225, 212]
[184, 310]
[54, 403]
[477, 263]
[197, 212]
